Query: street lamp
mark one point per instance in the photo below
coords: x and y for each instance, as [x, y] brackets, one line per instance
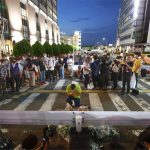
[104, 39]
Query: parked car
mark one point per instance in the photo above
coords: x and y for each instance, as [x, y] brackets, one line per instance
[145, 71]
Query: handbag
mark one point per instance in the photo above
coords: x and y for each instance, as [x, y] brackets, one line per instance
[133, 81]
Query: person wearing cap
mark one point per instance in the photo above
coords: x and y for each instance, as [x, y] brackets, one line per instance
[73, 91]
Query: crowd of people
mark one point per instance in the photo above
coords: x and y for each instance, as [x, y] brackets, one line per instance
[15, 72]
[101, 70]
[105, 70]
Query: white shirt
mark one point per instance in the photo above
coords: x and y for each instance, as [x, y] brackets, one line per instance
[70, 62]
[51, 64]
[87, 66]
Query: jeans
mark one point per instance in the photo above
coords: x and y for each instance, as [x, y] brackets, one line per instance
[61, 73]
[76, 101]
[42, 76]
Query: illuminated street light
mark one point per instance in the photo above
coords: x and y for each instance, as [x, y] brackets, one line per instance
[136, 8]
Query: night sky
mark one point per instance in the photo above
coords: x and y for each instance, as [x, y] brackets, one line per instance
[94, 18]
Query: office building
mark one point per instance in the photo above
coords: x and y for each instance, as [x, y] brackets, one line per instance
[29, 19]
[134, 24]
[77, 40]
[66, 39]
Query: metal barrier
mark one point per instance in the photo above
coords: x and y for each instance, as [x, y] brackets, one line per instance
[76, 118]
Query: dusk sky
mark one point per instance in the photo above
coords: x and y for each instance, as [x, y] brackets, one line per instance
[94, 18]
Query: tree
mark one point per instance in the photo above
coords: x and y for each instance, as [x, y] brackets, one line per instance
[21, 48]
[56, 49]
[37, 49]
[69, 48]
[46, 47]
[63, 49]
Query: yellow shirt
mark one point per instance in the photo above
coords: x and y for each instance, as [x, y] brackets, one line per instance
[77, 90]
[136, 66]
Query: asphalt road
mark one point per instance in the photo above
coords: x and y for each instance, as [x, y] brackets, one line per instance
[52, 97]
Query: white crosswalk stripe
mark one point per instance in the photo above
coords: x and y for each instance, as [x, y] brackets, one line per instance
[6, 101]
[145, 81]
[117, 101]
[141, 102]
[48, 105]
[140, 86]
[26, 102]
[22, 106]
[95, 102]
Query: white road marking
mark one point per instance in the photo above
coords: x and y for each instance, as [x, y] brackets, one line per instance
[27, 102]
[22, 91]
[48, 105]
[145, 81]
[6, 101]
[141, 102]
[59, 84]
[95, 102]
[22, 106]
[140, 86]
[117, 101]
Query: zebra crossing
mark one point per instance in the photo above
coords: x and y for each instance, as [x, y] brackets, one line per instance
[105, 101]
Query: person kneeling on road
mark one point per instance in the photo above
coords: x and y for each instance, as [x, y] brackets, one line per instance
[73, 92]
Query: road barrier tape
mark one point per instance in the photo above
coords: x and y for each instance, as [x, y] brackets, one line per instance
[84, 91]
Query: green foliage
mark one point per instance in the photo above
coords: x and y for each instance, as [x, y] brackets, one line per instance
[21, 48]
[62, 48]
[37, 49]
[48, 48]
[68, 49]
[24, 47]
[56, 50]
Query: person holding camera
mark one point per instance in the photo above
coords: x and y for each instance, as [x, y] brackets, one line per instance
[127, 65]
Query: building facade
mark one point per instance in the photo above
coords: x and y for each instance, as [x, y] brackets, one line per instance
[29, 19]
[77, 40]
[66, 39]
[134, 22]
